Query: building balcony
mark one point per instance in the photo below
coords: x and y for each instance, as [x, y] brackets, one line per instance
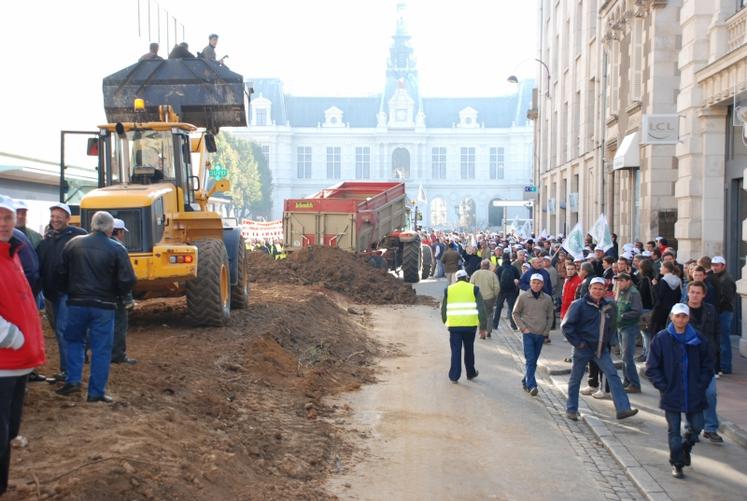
[736, 27]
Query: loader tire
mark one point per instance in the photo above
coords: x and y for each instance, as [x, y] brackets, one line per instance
[411, 262]
[209, 294]
[240, 291]
[427, 261]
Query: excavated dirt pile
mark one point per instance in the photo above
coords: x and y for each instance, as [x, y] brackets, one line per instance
[207, 413]
[336, 270]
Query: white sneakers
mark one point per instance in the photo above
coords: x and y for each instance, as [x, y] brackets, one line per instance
[588, 390]
[601, 394]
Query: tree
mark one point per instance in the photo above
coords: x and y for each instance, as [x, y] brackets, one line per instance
[248, 172]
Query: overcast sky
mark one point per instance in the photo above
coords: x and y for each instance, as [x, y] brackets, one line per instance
[57, 53]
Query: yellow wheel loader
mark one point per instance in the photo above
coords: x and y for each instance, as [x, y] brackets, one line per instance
[154, 173]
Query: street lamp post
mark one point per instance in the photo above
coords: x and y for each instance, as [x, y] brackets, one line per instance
[513, 79]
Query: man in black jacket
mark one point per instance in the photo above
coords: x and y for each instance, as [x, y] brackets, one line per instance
[94, 272]
[50, 255]
[509, 277]
[726, 292]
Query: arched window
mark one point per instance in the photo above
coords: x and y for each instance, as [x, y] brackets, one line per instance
[439, 212]
[401, 163]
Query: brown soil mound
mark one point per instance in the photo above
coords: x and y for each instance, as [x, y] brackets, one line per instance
[216, 413]
[336, 270]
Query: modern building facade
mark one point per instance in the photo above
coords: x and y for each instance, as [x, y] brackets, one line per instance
[642, 119]
[472, 156]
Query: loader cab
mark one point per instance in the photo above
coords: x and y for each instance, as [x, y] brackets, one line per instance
[148, 154]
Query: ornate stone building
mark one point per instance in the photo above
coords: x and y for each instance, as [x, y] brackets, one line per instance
[472, 156]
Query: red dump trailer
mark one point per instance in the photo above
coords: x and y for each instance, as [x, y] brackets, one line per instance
[362, 217]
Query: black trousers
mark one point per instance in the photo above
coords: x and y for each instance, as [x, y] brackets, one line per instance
[12, 391]
[594, 375]
[119, 345]
[510, 298]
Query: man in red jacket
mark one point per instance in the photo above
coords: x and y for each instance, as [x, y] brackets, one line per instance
[572, 281]
[21, 341]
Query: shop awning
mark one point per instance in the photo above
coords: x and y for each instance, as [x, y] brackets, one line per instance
[627, 155]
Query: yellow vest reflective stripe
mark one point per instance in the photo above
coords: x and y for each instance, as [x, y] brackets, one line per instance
[461, 305]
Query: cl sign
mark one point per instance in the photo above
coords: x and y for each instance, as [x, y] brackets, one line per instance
[660, 129]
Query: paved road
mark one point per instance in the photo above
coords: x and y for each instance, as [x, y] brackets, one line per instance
[485, 439]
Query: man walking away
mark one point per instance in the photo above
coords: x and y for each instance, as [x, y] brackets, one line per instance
[21, 340]
[462, 311]
[50, 255]
[534, 313]
[628, 324]
[680, 366]
[94, 271]
[588, 326]
[704, 319]
[451, 263]
[489, 286]
[726, 291]
[508, 276]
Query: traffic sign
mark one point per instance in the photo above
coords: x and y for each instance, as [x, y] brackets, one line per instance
[530, 188]
[218, 172]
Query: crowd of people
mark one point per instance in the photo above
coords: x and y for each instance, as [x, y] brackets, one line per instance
[181, 51]
[609, 301]
[82, 283]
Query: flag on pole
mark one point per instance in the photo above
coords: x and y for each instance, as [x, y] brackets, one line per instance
[600, 232]
[574, 243]
[421, 194]
[544, 233]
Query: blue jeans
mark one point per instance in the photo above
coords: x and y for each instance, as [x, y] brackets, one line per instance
[710, 415]
[646, 335]
[60, 314]
[439, 268]
[459, 336]
[628, 336]
[677, 447]
[724, 320]
[581, 359]
[98, 323]
[532, 348]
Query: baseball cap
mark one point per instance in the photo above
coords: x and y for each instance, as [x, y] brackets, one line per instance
[622, 276]
[461, 274]
[718, 260]
[537, 276]
[646, 254]
[7, 203]
[60, 205]
[120, 225]
[596, 280]
[20, 204]
[680, 308]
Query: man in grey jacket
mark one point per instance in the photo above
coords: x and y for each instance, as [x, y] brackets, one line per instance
[533, 314]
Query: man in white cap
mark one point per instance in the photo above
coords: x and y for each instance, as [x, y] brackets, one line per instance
[726, 292]
[50, 256]
[119, 346]
[463, 311]
[21, 213]
[534, 314]
[21, 339]
[589, 325]
[680, 366]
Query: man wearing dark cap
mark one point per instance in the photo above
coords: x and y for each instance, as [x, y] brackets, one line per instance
[629, 309]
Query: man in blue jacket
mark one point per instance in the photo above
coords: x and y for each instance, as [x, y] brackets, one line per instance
[680, 366]
[589, 324]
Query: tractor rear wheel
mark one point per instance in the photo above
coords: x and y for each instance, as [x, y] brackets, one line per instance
[411, 262]
[240, 291]
[209, 294]
[427, 261]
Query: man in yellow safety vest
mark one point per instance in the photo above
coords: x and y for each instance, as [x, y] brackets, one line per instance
[463, 310]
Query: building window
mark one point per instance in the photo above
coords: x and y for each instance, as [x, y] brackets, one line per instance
[496, 163]
[333, 162]
[468, 163]
[362, 162]
[636, 66]
[261, 117]
[438, 163]
[303, 162]
[266, 153]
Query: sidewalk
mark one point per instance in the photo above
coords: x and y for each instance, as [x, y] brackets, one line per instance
[640, 443]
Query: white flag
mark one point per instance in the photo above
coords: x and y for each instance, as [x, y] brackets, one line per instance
[574, 243]
[421, 194]
[544, 233]
[600, 232]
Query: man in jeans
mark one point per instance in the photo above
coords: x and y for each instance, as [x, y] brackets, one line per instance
[534, 314]
[94, 272]
[726, 291]
[588, 326]
[628, 326]
[680, 366]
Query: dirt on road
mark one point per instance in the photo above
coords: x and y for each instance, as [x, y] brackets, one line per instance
[210, 413]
